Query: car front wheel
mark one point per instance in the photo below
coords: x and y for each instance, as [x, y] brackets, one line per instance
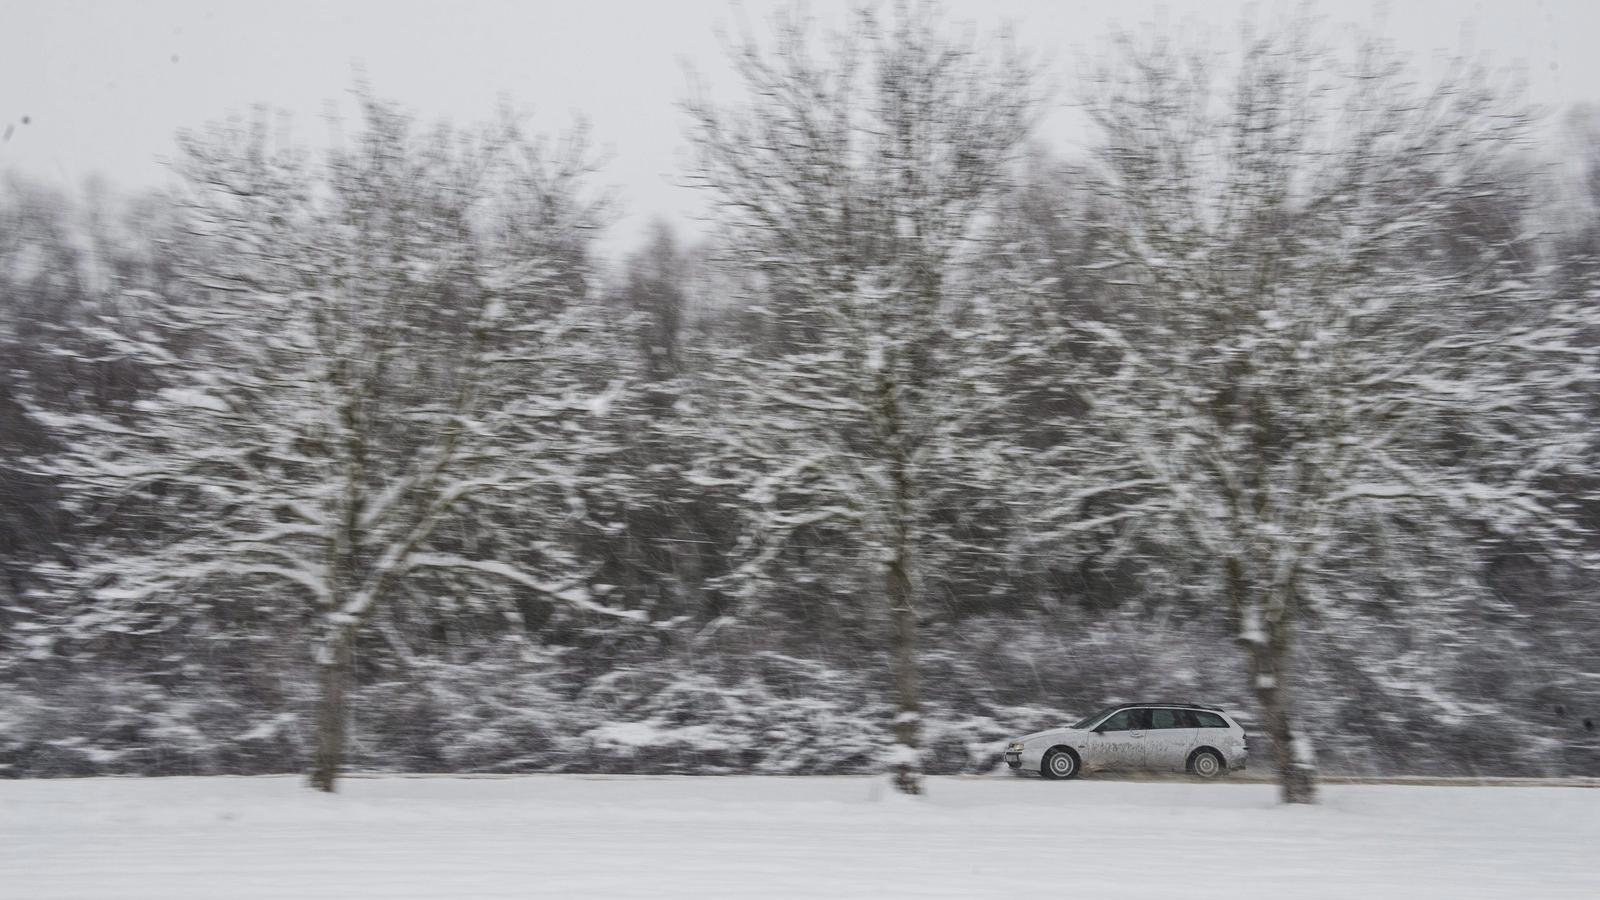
[1059, 764]
[1207, 765]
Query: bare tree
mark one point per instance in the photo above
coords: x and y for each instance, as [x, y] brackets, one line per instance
[369, 355]
[849, 186]
[1328, 343]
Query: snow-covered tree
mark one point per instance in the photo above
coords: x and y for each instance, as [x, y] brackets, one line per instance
[1327, 340]
[850, 185]
[374, 358]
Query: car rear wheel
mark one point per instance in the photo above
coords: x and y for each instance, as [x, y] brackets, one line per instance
[1059, 764]
[1207, 765]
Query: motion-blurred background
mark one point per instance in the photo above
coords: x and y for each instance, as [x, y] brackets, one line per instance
[885, 381]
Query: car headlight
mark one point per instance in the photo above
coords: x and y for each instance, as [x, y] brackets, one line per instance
[1014, 746]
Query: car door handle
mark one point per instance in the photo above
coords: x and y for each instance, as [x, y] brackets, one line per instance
[1137, 734]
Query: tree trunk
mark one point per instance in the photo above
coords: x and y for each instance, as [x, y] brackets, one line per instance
[1291, 753]
[333, 678]
[907, 763]
[1266, 645]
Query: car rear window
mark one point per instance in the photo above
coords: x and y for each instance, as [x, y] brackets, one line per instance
[1209, 720]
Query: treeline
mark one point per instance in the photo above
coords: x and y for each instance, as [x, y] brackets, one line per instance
[1281, 396]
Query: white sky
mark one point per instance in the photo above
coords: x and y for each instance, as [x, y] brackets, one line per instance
[106, 84]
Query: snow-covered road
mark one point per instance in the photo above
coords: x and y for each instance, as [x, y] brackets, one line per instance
[747, 837]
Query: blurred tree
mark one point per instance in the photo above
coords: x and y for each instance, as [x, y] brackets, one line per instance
[63, 262]
[374, 359]
[849, 187]
[1346, 394]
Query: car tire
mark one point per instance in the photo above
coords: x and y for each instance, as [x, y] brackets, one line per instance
[1059, 765]
[1207, 765]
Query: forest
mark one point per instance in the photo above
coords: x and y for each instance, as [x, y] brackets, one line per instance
[1279, 394]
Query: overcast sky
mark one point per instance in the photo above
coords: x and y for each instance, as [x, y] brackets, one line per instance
[101, 87]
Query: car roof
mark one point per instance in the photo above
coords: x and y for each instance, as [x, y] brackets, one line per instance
[1179, 703]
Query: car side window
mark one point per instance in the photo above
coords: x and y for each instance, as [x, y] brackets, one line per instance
[1119, 721]
[1127, 720]
[1209, 720]
[1172, 718]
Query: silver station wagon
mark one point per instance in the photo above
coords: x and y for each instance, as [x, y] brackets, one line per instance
[1151, 737]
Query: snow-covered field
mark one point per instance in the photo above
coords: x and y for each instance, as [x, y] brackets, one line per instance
[600, 837]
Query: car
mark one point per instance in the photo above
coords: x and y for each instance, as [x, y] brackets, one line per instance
[1152, 737]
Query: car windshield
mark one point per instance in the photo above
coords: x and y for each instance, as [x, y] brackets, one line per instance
[1094, 717]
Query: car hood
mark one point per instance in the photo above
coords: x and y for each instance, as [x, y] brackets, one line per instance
[1053, 734]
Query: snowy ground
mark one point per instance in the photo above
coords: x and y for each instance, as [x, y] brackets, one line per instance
[601, 837]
